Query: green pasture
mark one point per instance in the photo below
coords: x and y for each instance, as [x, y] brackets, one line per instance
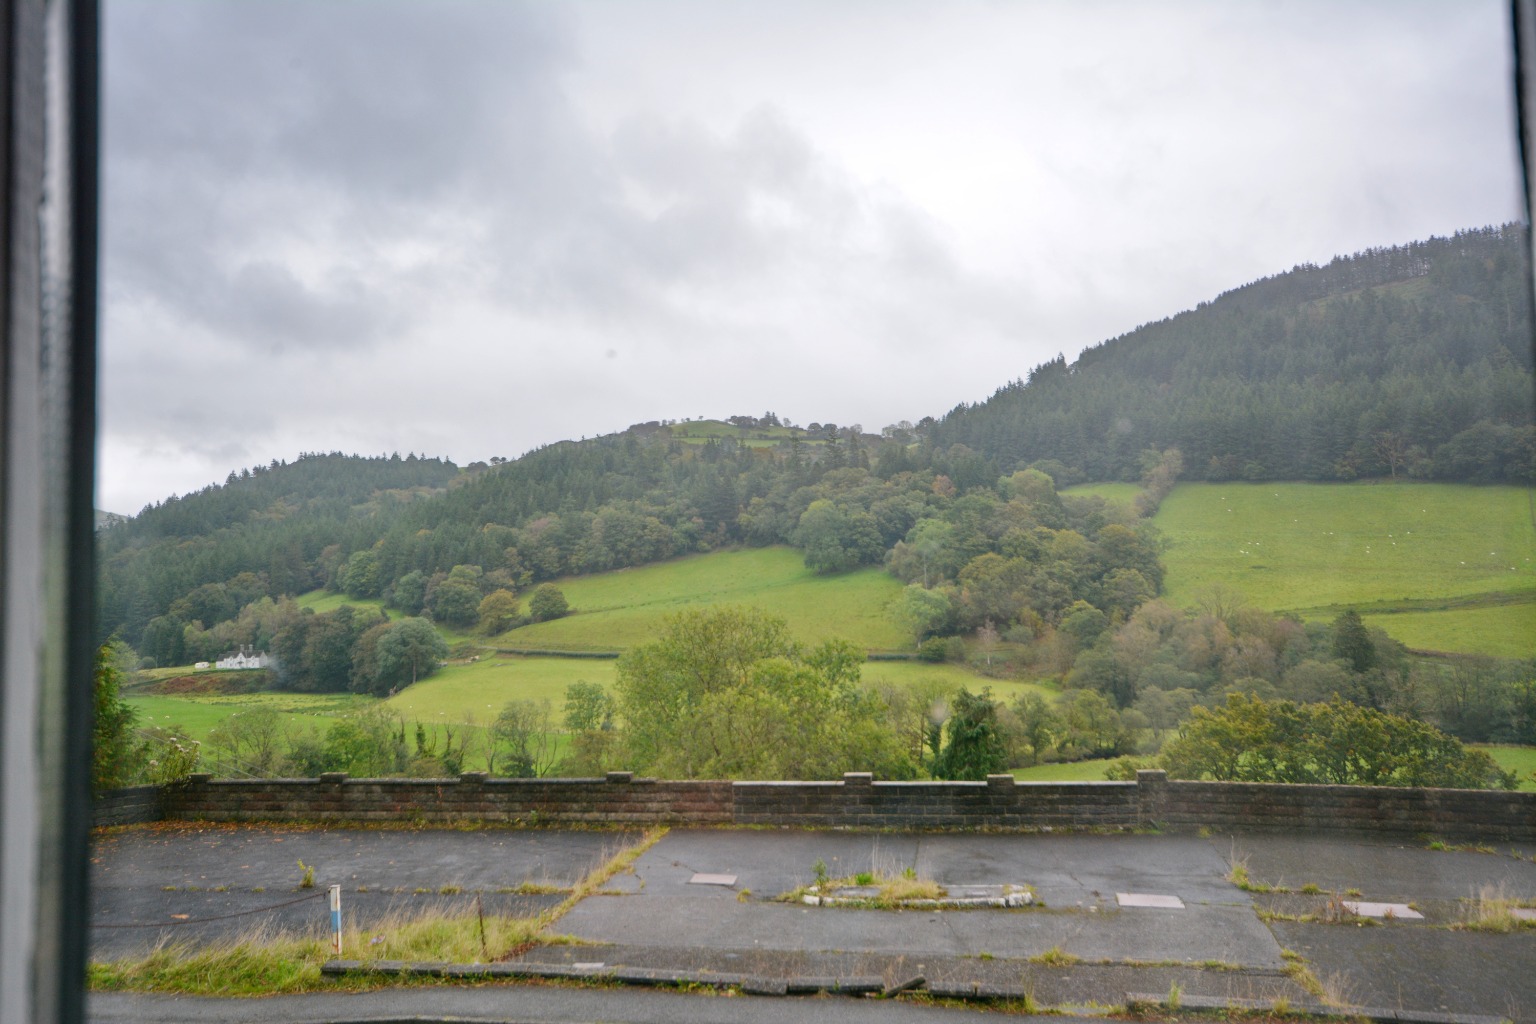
[321, 601]
[616, 610]
[700, 430]
[1123, 493]
[1439, 566]
[1066, 771]
[1502, 631]
[1520, 760]
[906, 673]
[476, 691]
[198, 714]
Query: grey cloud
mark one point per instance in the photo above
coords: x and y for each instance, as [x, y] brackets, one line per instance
[238, 133]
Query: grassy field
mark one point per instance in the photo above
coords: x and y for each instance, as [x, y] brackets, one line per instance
[1438, 566]
[197, 715]
[476, 692]
[905, 673]
[617, 610]
[1069, 771]
[1123, 493]
[1520, 760]
[321, 601]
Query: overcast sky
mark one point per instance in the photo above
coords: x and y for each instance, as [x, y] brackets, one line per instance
[470, 229]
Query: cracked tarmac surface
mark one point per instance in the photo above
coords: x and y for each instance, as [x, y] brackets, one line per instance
[1076, 946]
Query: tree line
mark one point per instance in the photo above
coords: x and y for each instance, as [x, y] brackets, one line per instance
[1408, 361]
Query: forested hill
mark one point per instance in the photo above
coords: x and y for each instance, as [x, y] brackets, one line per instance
[1414, 360]
[260, 532]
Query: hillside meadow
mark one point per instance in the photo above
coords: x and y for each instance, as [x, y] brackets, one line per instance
[1445, 567]
[615, 610]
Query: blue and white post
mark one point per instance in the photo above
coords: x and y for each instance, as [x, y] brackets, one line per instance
[336, 916]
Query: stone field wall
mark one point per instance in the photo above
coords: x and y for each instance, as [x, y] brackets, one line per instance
[856, 801]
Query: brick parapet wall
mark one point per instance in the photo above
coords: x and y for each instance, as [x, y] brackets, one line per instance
[855, 801]
[997, 803]
[135, 805]
[618, 799]
[1447, 813]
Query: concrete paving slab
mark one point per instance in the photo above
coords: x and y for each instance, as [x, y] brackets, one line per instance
[508, 1003]
[668, 911]
[229, 881]
[1065, 870]
[1382, 870]
[960, 977]
[703, 879]
[662, 923]
[247, 856]
[1217, 933]
[773, 862]
[118, 916]
[1422, 969]
[1084, 870]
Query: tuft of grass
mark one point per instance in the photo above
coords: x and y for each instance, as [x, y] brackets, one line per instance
[897, 890]
[260, 963]
[1055, 957]
[1237, 874]
[1175, 996]
[1491, 910]
[1311, 889]
[307, 879]
[450, 890]
[266, 961]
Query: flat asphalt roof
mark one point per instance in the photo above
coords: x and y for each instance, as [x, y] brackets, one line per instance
[1083, 943]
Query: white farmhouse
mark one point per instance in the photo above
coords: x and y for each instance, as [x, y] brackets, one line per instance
[245, 657]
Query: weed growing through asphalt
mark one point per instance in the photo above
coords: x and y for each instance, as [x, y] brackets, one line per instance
[266, 961]
[307, 879]
[1055, 957]
[1491, 910]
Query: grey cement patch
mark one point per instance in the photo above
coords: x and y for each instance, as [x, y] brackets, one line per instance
[1523, 914]
[1149, 900]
